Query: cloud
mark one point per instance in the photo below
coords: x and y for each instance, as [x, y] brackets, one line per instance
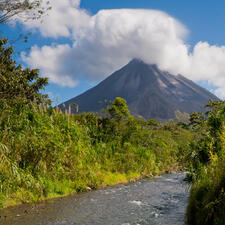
[104, 42]
[49, 61]
[65, 16]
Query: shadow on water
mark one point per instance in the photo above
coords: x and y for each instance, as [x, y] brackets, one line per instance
[159, 201]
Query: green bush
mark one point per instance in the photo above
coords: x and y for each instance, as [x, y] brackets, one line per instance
[48, 153]
[207, 197]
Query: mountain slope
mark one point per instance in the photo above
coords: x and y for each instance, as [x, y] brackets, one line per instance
[149, 92]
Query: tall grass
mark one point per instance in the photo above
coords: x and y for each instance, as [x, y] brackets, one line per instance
[47, 153]
[207, 197]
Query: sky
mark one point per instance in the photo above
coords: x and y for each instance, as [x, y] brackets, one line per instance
[77, 43]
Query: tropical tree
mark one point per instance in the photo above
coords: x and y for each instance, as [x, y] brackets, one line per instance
[18, 83]
[119, 109]
[196, 120]
[208, 169]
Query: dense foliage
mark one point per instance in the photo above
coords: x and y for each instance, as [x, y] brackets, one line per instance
[207, 199]
[46, 152]
[118, 110]
[16, 83]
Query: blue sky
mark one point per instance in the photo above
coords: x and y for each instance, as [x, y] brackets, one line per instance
[204, 18]
[73, 36]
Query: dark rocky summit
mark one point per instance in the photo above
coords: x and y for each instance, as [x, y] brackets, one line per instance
[149, 92]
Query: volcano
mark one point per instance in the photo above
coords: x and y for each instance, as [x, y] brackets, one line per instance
[149, 92]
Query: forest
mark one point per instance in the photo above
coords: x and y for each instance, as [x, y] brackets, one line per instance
[47, 152]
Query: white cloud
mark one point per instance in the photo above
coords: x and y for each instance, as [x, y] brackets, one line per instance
[64, 17]
[106, 41]
[49, 60]
[220, 92]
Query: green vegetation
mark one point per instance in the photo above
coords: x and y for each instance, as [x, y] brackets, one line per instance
[18, 84]
[118, 110]
[47, 153]
[207, 172]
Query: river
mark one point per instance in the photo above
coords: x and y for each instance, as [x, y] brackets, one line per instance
[158, 201]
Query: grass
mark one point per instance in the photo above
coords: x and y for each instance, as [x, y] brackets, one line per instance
[207, 197]
[46, 153]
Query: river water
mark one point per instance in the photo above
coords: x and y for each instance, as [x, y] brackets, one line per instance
[158, 201]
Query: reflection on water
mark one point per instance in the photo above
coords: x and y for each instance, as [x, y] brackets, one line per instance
[160, 201]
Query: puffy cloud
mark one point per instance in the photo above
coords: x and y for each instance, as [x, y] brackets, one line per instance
[49, 61]
[64, 17]
[206, 63]
[220, 92]
[104, 42]
[109, 40]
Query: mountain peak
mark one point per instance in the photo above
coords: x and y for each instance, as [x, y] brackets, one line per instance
[149, 92]
[140, 62]
[135, 61]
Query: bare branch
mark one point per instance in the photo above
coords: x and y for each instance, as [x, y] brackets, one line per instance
[26, 8]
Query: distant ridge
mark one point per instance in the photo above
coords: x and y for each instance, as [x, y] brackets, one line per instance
[149, 92]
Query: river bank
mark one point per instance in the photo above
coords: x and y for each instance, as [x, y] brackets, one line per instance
[109, 180]
[160, 201]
